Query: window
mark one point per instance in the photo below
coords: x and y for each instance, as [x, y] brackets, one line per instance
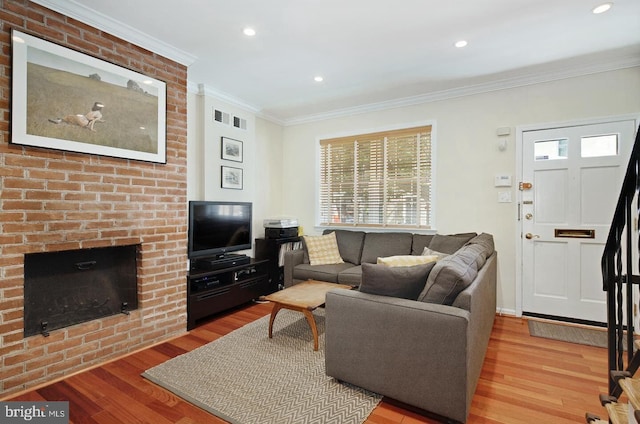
[551, 149]
[599, 146]
[379, 179]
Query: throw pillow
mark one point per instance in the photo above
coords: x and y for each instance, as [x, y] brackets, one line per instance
[407, 260]
[323, 250]
[404, 282]
[430, 252]
[453, 274]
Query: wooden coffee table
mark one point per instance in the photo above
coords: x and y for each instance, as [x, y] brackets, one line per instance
[303, 297]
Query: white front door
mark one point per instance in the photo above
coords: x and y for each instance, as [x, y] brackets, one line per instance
[571, 182]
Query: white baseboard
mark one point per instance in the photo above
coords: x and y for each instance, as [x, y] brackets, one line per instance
[505, 311]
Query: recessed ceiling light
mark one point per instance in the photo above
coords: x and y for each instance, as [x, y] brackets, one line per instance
[249, 32]
[318, 78]
[461, 43]
[602, 8]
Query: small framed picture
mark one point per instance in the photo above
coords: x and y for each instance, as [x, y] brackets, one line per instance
[231, 149]
[231, 178]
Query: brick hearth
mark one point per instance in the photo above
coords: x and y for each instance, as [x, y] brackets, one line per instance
[53, 200]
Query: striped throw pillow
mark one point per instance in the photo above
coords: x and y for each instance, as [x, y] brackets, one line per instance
[407, 260]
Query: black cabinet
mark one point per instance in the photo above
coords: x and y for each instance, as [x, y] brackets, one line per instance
[210, 292]
[272, 250]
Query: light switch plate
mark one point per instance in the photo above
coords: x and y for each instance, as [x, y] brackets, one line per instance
[504, 197]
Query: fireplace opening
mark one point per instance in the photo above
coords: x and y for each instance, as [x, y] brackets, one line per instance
[74, 286]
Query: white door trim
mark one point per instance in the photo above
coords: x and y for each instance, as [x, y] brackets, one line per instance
[519, 170]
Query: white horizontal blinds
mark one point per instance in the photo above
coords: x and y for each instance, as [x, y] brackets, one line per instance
[391, 185]
[369, 191]
[425, 183]
[337, 164]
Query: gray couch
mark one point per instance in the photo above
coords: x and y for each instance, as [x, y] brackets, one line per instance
[426, 352]
[359, 247]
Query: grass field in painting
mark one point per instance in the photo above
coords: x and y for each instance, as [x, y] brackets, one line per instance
[130, 117]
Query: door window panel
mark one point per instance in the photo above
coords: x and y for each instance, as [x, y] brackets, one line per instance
[599, 146]
[551, 149]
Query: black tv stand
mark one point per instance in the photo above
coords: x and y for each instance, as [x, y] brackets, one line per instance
[212, 291]
[225, 260]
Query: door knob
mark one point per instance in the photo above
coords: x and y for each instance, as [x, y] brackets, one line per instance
[530, 236]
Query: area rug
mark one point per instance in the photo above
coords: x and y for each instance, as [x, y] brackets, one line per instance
[246, 378]
[569, 333]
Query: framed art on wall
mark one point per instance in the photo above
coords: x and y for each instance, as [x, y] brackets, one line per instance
[231, 178]
[66, 100]
[231, 149]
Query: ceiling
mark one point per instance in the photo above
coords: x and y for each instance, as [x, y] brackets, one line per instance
[373, 54]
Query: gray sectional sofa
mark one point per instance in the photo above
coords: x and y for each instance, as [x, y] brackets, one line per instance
[426, 352]
[359, 247]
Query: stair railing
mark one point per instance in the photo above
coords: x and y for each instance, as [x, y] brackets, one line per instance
[617, 274]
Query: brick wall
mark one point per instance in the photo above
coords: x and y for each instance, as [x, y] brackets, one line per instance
[53, 200]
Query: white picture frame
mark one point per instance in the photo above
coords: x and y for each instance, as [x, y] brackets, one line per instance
[66, 100]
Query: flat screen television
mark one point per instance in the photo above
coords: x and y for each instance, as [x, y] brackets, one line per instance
[216, 228]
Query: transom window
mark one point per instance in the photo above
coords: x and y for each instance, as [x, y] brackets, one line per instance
[599, 146]
[590, 147]
[378, 179]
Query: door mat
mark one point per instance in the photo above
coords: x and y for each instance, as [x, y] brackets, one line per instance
[590, 336]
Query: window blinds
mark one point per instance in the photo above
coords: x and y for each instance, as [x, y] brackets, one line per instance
[378, 179]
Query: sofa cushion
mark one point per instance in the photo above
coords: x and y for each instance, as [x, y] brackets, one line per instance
[407, 260]
[378, 245]
[486, 241]
[323, 250]
[349, 244]
[420, 241]
[305, 257]
[404, 282]
[453, 274]
[351, 276]
[327, 273]
[449, 243]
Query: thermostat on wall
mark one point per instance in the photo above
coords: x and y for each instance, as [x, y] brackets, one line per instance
[503, 181]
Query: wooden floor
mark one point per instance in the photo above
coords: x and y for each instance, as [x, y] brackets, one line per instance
[524, 380]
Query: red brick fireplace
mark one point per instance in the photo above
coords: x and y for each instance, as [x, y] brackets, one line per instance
[53, 200]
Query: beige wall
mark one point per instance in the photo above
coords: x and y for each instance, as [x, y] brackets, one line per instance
[467, 155]
[261, 165]
[282, 159]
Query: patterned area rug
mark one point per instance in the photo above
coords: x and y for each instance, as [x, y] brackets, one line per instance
[569, 333]
[246, 378]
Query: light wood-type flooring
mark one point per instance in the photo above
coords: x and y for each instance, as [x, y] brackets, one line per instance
[524, 380]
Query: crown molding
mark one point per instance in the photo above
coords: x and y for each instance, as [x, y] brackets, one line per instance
[501, 84]
[581, 69]
[204, 90]
[102, 22]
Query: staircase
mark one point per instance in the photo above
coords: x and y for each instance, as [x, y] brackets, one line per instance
[621, 251]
